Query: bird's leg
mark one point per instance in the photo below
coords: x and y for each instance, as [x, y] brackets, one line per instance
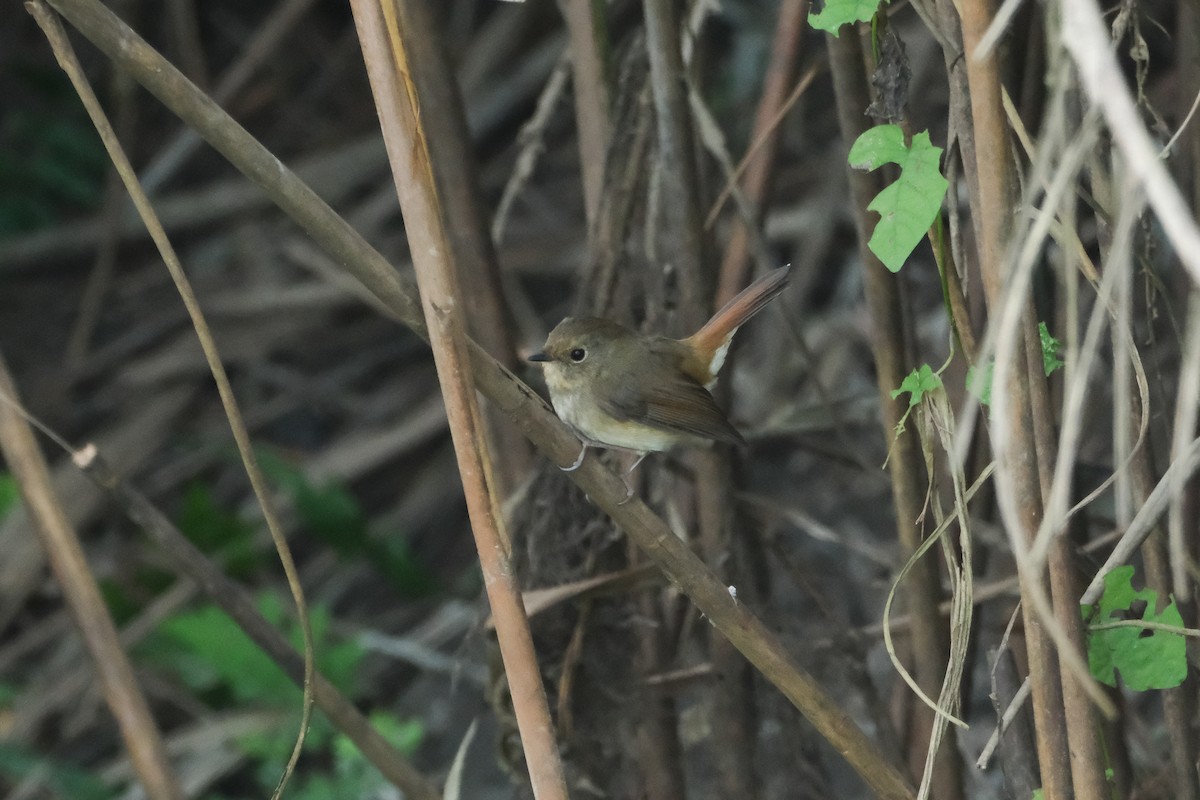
[578, 461]
[641, 458]
[625, 478]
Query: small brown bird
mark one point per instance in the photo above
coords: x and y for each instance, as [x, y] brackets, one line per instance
[621, 389]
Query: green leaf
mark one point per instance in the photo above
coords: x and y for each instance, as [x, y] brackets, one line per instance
[1051, 350]
[909, 206]
[979, 382]
[1038, 794]
[10, 495]
[65, 778]
[842, 12]
[1145, 658]
[211, 654]
[918, 382]
[217, 531]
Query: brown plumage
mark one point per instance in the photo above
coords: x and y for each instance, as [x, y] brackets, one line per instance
[618, 388]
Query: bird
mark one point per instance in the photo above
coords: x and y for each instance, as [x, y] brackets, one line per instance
[644, 393]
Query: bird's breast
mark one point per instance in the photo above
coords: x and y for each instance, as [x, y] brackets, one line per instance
[578, 408]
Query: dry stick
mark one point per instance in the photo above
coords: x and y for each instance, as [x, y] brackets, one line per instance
[674, 224]
[142, 739]
[1006, 719]
[470, 245]
[762, 647]
[759, 164]
[1086, 40]
[1018, 485]
[929, 637]
[386, 50]
[732, 708]
[1143, 524]
[1187, 404]
[748, 158]
[1149, 515]
[70, 64]
[1179, 702]
[680, 211]
[586, 26]
[532, 140]
[1017, 329]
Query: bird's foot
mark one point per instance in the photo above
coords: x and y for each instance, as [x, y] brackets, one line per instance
[578, 461]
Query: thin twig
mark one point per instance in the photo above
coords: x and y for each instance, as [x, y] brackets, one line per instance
[1085, 39]
[70, 64]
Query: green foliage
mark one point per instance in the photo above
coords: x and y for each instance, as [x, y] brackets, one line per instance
[9, 494]
[352, 775]
[979, 381]
[64, 778]
[217, 531]
[910, 205]
[1051, 350]
[331, 513]
[1145, 658]
[1038, 794]
[842, 12]
[212, 656]
[917, 383]
[51, 159]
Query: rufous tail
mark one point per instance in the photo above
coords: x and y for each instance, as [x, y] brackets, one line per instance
[711, 342]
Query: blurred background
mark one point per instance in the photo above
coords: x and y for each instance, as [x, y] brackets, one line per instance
[345, 412]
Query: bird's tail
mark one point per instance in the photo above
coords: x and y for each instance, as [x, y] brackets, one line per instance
[711, 342]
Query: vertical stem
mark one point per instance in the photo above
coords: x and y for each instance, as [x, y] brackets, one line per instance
[1179, 702]
[386, 47]
[684, 235]
[593, 103]
[470, 244]
[1029, 433]
[756, 181]
[680, 210]
[930, 645]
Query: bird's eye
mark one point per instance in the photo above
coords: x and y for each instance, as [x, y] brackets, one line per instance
[578, 354]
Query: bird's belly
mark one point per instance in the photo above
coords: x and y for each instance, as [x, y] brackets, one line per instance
[599, 428]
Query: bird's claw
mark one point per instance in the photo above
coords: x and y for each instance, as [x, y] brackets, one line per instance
[578, 462]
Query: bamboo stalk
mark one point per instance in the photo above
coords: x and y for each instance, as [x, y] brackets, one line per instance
[929, 636]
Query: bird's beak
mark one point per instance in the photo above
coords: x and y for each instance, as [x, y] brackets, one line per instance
[539, 357]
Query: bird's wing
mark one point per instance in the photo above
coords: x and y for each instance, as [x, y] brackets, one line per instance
[675, 405]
